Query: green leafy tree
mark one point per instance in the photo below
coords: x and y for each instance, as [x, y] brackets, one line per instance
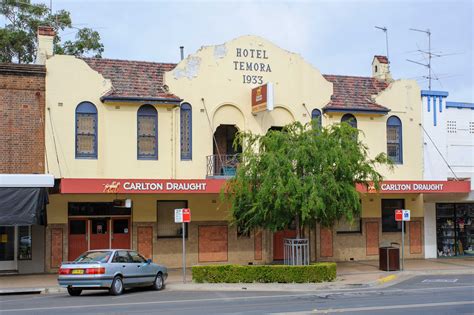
[303, 174]
[18, 38]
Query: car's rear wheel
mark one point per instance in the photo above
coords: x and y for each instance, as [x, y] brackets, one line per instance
[74, 292]
[117, 286]
[159, 283]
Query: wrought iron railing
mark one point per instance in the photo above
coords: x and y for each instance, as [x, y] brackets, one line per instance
[222, 164]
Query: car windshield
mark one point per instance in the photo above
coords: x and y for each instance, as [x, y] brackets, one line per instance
[97, 256]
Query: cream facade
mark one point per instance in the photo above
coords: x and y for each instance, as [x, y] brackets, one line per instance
[216, 82]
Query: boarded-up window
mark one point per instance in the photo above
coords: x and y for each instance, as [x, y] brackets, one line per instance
[213, 243]
[86, 130]
[147, 125]
[186, 131]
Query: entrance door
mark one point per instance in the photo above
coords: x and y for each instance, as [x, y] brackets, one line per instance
[100, 238]
[121, 233]
[278, 242]
[77, 238]
[8, 260]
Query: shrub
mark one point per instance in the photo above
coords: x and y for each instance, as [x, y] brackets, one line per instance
[318, 272]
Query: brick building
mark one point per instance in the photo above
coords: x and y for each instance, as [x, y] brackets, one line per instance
[22, 154]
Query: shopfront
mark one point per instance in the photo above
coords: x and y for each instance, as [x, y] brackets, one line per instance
[455, 229]
[23, 200]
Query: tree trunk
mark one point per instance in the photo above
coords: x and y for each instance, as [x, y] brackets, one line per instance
[298, 229]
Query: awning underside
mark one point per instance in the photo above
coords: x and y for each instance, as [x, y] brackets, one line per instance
[23, 206]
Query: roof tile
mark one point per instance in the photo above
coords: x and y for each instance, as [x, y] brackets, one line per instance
[355, 93]
[130, 79]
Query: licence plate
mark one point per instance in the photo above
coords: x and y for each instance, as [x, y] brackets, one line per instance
[78, 272]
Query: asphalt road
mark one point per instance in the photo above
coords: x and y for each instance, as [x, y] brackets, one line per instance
[452, 294]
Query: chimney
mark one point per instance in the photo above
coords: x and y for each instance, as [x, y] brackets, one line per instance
[381, 68]
[45, 44]
[181, 49]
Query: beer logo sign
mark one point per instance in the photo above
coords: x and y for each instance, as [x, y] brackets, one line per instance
[112, 187]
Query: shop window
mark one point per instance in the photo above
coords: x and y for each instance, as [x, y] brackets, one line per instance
[349, 119]
[316, 115]
[388, 214]
[167, 228]
[147, 133]
[394, 139]
[77, 227]
[344, 226]
[24, 243]
[186, 131]
[86, 131]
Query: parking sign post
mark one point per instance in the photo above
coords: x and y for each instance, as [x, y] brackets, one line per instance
[402, 215]
[183, 216]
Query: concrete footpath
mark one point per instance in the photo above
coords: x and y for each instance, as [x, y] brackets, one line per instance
[350, 275]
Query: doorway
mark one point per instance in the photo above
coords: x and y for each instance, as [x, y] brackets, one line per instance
[278, 238]
[8, 248]
[97, 233]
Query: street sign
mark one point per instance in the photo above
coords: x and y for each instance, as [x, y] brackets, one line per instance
[186, 215]
[183, 216]
[399, 215]
[406, 215]
[178, 215]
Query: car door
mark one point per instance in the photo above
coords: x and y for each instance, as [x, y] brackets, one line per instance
[123, 262]
[145, 273]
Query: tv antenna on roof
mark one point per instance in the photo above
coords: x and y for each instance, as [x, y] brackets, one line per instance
[385, 30]
[429, 53]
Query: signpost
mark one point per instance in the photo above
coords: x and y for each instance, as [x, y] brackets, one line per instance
[183, 216]
[402, 215]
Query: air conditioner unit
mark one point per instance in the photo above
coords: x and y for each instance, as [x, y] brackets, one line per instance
[122, 203]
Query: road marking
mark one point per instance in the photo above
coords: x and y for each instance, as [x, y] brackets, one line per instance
[388, 307]
[440, 280]
[387, 279]
[278, 296]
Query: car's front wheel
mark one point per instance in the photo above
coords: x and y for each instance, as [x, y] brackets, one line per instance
[159, 283]
[117, 286]
[74, 292]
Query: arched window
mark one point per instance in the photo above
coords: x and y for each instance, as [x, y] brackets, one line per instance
[350, 119]
[147, 133]
[86, 131]
[394, 139]
[186, 118]
[316, 114]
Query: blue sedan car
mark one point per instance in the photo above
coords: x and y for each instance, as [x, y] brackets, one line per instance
[110, 269]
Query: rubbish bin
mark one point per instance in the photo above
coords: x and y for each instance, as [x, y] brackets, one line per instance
[389, 258]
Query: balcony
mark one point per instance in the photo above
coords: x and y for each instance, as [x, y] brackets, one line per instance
[222, 165]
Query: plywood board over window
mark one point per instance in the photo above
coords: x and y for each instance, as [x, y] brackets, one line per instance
[415, 237]
[213, 243]
[372, 238]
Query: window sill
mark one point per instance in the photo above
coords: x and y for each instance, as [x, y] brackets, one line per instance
[348, 232]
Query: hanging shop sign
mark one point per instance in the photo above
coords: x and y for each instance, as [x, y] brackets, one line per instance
[418, 187]
[140, 186]
[262, 98]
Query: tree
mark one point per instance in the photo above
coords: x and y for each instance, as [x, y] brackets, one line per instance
[18, 39]
[303, 174]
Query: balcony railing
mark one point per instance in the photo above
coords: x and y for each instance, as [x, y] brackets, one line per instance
[222, 165]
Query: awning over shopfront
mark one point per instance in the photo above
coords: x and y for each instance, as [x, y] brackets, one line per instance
[419, 187]
[214, 186]
[23, 198]
[140, 186]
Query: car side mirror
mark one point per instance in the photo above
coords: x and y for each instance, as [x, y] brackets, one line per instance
[149, 261]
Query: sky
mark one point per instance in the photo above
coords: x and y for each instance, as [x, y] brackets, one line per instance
[337, 37]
